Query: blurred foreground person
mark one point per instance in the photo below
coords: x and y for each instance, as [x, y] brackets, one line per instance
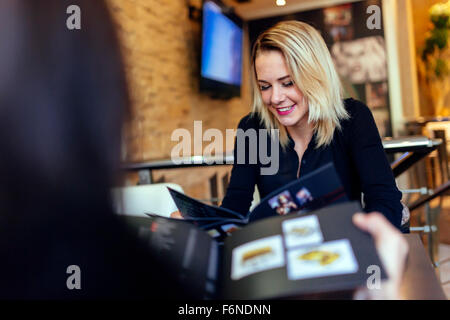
[63, 99]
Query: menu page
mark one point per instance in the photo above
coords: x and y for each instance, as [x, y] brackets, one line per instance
[299, 254]
[191, 253]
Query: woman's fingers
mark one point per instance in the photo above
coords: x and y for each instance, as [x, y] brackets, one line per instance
[176, 215]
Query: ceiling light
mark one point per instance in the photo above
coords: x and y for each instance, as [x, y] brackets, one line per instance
[281, 3]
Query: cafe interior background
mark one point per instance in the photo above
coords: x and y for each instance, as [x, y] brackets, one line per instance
[391, 67]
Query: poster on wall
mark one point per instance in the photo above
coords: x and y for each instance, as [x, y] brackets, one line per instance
[359, 53]
[361, 60]
[339, 23]
[361, 63]
[376, 95]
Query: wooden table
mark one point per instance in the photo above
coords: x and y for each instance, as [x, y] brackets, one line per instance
[420, 281]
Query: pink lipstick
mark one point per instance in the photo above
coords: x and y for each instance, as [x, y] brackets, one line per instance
[286, 110]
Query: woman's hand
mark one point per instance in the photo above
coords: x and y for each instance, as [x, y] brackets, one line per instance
[392, 249]
[176, 215]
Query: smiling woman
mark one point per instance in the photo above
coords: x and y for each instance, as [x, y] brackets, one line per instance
[284, 100]
[296, 90]
[297, 51]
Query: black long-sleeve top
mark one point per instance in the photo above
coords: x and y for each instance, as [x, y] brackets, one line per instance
[358, 156]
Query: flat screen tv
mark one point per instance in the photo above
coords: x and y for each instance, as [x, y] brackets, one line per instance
[221, 58]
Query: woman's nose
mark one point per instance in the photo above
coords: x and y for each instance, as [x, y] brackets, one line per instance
[277, 95]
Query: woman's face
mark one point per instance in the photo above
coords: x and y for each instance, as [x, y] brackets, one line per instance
[278, 91]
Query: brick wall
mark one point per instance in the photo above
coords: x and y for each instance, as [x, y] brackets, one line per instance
[162, 50]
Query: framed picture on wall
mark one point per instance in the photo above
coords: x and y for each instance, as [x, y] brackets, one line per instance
[339, 23]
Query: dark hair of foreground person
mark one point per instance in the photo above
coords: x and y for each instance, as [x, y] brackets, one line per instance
[63, 100]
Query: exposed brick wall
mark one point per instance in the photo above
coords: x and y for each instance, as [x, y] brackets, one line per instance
[162, 51]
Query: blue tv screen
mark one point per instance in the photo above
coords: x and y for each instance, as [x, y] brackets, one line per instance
[221, 46]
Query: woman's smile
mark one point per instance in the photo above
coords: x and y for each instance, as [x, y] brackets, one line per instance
[285, 110]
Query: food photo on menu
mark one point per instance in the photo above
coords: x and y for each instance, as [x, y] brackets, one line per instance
[282, 203]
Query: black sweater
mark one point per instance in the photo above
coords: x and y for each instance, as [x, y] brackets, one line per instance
[358, 156]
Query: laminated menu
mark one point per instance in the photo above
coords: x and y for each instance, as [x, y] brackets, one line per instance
[293, 256]
[314, 190]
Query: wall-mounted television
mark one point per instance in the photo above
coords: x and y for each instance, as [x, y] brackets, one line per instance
[221, 58]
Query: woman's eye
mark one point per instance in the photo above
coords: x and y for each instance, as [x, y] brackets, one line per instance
[288, 84]
[264, 87]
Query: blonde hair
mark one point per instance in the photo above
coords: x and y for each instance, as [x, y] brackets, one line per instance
[312, 70]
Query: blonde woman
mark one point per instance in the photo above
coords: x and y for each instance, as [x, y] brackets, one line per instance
[296, 90]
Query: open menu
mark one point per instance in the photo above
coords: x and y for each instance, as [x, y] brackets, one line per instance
[317, 189]
[291, 256]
